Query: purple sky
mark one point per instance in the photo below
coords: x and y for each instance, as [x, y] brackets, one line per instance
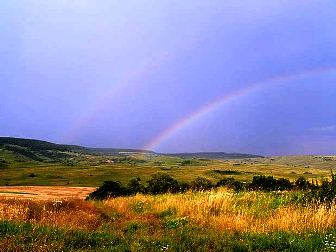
[119, 73]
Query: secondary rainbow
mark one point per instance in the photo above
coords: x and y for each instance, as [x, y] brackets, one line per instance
[132, 80]
[227, 98]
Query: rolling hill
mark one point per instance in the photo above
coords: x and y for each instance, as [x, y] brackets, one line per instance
[39, 150]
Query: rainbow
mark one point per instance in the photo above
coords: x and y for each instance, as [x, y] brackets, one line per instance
[129, 81]
[227, 98]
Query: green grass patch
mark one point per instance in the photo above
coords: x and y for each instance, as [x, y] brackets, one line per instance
[177, 235]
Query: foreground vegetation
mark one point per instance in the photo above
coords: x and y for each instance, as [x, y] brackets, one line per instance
[216, 220]
[189, 204]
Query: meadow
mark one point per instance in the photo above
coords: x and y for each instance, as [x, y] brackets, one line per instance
[80, 169]
[217, 220]
[43, 206]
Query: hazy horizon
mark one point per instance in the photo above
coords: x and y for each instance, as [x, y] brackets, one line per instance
[172, 76]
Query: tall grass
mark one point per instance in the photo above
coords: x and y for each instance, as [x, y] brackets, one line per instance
[75, 213]
[226, 211]
[218, 220]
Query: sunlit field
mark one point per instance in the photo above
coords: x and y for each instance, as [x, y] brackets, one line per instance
[93, 170]
[217, 220]
[43, 205]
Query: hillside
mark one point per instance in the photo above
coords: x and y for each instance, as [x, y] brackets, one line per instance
[46, 151]
[34, 162]
[43, 151]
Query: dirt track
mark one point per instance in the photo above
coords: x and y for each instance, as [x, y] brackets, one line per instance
[44, 192]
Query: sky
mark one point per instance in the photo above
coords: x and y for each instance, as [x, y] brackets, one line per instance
[171, 76]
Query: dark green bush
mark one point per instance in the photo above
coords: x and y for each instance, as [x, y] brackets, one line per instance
[201, 184]
[283, 184]
[326, 192]
[32, 175]
[183, 186]
[225, 182]
[269, 183]
[109, 189]
[261, 182]
[186, 162]
[162, 183]
[302, 183]
[238, 185]
[134, 186]
[3, 164]
[232, 184]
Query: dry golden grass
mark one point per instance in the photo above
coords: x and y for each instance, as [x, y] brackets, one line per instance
[75, 213]
[44, 192]
[220, 210]
[51, 205]
[223, 210]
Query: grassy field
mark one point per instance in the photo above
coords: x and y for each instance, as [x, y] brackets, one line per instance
[218, 220]
[92, 170]
[42, 206]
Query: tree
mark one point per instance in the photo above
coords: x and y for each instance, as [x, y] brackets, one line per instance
[201, 183]
[162, 183]
[107, 190]
[134, 186]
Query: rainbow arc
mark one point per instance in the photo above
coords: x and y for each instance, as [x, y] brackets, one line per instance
[227, 98]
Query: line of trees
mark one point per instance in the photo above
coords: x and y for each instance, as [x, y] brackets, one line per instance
[163, 183]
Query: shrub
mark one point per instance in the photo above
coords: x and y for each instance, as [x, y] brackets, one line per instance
[3, 163]
[269, 183]
[32, 175]
[183, 186]
[302, 183]
[327, 191]
[238, 185]
[231, 183]
[186, 162]
[162, 183]
[225, 182]
[283, 184]
[201, 183]
[107, 190]
[262, 182]
[134, 186]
